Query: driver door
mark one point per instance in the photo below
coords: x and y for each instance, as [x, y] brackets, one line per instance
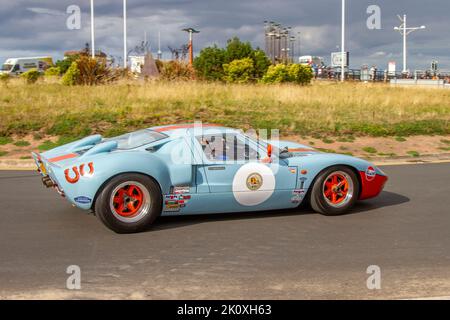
[225, 155]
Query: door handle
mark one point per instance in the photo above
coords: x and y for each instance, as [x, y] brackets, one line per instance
[216, 168]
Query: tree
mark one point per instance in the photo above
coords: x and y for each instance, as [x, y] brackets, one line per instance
[239, 71]
[209, 64]
[261, 63]
[236, 50]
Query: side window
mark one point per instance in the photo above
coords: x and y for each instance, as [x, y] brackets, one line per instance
[227, 148]
[16, 68]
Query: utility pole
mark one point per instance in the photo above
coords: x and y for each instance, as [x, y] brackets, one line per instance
[343, 58]
[405, 31]
[92, 30]
[191, 32]
[125, 49]
[159, 56]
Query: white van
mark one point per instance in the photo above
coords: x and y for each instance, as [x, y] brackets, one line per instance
[16, 66]
[311, 60]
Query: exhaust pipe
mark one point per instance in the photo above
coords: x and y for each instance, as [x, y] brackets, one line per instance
[48, 182]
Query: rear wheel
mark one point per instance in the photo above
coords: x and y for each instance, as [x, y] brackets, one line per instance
[129, 203]
[335, 191]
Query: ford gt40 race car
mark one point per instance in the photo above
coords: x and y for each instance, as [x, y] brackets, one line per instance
[131, 180]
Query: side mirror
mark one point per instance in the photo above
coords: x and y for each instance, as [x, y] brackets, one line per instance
[269, 150]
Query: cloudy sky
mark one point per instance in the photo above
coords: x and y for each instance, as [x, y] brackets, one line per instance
[29, 28]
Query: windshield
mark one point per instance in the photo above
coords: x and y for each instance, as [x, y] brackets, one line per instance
[137, 139]
[7, 67]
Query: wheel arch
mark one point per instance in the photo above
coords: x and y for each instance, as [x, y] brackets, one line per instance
[105, 183]
[353, 168]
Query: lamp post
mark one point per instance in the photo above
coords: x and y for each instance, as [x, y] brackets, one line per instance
[92, 30]
[343, 43]
[191, 32]
[125, 49]
[405, 31]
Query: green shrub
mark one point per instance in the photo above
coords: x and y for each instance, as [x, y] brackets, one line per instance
[21, 143]
[239, 71]
[5, 140]
[300, 74]
[4, 78]
[52, 72]
[66, 63]
[277, 74]
[294, 73]
[71, 77]
[31, 76]
[176, 70]
[95, 72]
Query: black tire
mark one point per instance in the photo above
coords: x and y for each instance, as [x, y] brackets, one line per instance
[319, 201]
[149, 206]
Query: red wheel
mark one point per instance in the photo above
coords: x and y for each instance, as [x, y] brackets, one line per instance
[335, 191]
[338, 189]
[129, 203]
[128, 200]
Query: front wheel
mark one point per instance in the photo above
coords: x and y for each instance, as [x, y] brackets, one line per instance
[129, 203]
[335, 191]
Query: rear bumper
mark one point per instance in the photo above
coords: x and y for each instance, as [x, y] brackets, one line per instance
[371, 187]
[47, 180]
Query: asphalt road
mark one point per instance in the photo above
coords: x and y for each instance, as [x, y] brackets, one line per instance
[277, 255]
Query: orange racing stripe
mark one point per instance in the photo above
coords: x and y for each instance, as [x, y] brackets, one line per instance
[65, 157]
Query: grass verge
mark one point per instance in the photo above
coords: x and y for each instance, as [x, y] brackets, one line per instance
[316, 110]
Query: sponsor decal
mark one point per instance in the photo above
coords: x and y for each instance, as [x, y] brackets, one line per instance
[78, 172]
[174, 202]
[83, 200]
[181, 190]
[370, 174]
[298, 195]
[254, 182]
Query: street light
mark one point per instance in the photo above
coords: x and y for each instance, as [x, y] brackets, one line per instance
[191, 32]
[125, 50]
[343, 43]
[405, 31]
[92, 30]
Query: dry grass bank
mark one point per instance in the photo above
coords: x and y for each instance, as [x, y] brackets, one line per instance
[316, 110]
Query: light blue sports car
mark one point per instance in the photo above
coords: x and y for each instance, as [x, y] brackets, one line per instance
[129, 181]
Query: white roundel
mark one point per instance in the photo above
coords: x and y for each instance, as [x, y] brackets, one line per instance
[253, 184]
